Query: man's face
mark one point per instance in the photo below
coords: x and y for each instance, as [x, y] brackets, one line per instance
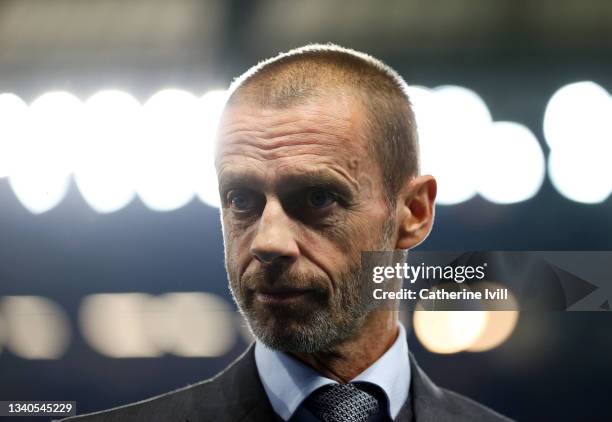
[301, 198]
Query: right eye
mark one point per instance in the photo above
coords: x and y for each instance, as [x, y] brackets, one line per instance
[240, 200]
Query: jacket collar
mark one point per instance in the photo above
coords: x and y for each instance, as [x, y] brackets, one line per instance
[427, 403]
[245, 400]
[242, 396]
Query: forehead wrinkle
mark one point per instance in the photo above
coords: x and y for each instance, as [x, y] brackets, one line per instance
[285, 139]
[315, 172]
[332, 119]
[279, 118]
[328, 131]
[287, 147]
[277, 174]
[265, 170]
[337, 111]
[291, 134]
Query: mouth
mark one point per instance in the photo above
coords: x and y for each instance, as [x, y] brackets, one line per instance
[281, 296]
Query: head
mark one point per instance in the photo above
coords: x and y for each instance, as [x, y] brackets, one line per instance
[317, 160]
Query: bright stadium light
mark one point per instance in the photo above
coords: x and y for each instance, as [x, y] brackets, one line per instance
[113, 326]
[462, 118]
[424, 106]
[106, 158]
[2, 333]
[502, 317]
[468, 331]
[448, 332]
[115, 148]
[468, 153]
[578, 114]
[578, 129]
[190, 324]
[193, 324]
[206, 185]
[450, 121]
[167, 146]
[581, 175]
[513, 165]
[36, 327]
[163, 151]
[14, 112]
[45, 156]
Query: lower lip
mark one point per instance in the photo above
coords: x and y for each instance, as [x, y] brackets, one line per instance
[280, 298]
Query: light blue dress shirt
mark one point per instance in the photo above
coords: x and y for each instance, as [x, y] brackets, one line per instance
[288, 382]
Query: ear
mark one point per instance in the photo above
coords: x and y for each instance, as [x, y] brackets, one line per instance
[415, 211]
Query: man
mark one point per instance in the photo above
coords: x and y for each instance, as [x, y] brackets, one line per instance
[317, 161]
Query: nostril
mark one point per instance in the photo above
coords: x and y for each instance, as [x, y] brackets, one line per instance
[266, 257]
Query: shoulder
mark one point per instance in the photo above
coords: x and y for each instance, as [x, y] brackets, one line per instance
[173, 405]
[231, 394]
[180, 405]
[465, 409]
[432, 403]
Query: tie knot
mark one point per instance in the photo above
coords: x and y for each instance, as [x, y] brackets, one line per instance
[342, 403]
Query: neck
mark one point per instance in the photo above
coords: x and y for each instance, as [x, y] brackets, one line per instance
[353, 356]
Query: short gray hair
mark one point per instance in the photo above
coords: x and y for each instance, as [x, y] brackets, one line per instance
[316, 70]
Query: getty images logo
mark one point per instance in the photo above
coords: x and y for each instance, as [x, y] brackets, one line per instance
[413, 273]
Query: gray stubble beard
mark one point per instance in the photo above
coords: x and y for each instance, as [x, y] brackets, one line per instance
[326, 326]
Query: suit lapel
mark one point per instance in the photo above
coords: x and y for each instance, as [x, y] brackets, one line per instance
[426, 403]
[261, 412]
[240, 394]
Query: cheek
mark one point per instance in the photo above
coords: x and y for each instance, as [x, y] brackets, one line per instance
[356, 230]
[236, 241]
[338, 248]
[340, 235]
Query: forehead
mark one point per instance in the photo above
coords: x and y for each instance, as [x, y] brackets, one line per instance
[321, 132]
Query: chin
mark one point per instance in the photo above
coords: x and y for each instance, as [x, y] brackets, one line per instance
[318, 334]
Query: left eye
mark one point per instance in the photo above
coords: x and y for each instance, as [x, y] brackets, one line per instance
[319, 198]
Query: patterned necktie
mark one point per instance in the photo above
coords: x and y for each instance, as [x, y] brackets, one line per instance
[342, 403]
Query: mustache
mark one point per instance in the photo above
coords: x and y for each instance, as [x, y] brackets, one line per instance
[279, 278]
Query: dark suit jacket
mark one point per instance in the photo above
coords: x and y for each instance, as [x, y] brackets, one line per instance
[236, 394]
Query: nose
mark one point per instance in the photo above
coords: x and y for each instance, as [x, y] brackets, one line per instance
[274, 240]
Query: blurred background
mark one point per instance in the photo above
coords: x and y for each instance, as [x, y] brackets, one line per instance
[112, 285]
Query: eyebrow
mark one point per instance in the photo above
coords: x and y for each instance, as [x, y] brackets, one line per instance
[328, 179]
[229, 179]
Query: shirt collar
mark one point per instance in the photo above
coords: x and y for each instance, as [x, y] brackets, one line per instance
[288, 382]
